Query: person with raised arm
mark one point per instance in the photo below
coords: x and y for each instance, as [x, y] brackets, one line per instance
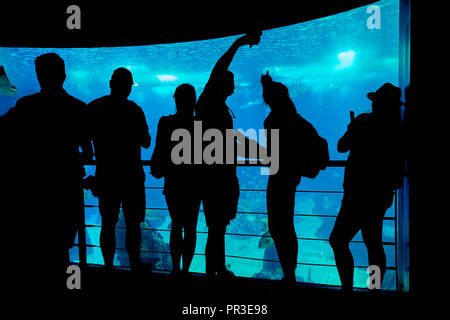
[219, 182]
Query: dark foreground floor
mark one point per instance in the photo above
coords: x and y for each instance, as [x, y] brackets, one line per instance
[160, 296]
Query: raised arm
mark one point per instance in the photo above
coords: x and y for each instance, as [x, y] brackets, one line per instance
[224, 62]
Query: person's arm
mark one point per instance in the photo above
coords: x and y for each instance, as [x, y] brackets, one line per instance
[147, 139]
[85, 139]
[85, 135]
[224, 62]
[87, 153]
[345, 142]
[144, 138]
[158, 161]
[249, 145]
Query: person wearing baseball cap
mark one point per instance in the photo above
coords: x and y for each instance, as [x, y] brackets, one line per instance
[118, 129]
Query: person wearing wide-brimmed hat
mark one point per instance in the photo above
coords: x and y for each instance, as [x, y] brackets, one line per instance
[374, 170]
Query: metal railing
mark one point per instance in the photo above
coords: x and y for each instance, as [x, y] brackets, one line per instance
[335, 163]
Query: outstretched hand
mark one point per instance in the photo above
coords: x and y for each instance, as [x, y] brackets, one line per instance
[266, 78]
[251, 38]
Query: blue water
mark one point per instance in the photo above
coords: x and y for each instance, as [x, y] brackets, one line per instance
[328, 65]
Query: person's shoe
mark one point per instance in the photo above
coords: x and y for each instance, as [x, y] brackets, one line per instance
[185, 276]
[288, 282]
[175, 274]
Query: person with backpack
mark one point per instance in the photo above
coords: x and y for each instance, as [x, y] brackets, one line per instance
[374, 170]
[302, 152]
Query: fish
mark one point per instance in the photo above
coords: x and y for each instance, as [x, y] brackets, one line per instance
[6, 88]
[265, 241]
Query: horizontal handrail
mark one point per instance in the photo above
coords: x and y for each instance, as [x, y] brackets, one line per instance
[253, 212]
[331, 163]
[264, 190]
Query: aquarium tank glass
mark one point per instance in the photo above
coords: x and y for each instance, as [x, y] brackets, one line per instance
[328, 64]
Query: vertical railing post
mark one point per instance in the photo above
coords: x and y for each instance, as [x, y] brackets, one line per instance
[402, 194]
[397, 279]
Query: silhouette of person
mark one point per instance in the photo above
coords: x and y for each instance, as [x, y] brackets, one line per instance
[180, 181]
[42, 137]
[118, 130]
[374, 170]
[281, 186]
[220, 186]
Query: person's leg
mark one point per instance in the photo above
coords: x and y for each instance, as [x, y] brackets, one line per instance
[215, 249]
[133, 208]
[372, 233]
[210, 248]
[218, 205]
[219, 254]
[289, 251]
[176, 245]
[176, 236]
[285, 240]
[209, 252]
[190, 233]
[133, 242]
[344, 230]
[109, 206]
[280, 210]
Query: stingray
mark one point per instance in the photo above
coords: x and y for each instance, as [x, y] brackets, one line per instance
[5, 87]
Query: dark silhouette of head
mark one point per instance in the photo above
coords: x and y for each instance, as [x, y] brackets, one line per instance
[50, 71]
[386, 100]
[185, 99]
[276, 95]
[121, 83]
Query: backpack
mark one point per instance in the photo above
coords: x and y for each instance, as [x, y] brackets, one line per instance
[314, 155]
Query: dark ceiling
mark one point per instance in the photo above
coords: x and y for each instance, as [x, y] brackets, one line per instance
[103, 23]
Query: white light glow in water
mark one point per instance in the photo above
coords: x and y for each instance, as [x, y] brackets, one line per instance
[166, 77]
[346, 59]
